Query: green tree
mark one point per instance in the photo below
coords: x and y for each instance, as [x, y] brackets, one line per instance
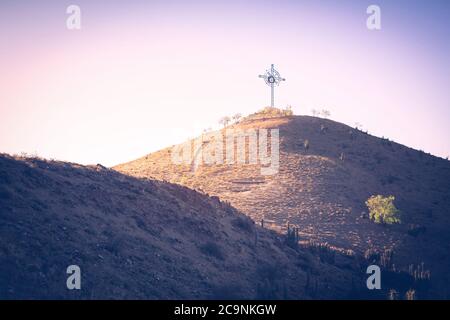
[382, 209]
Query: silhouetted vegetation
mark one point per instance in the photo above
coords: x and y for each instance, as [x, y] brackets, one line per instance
[404, 283]
[236, 117]
[317, 113]
[224, 121]
[243, 223]
[322, 250]
[410, 294]
[325, 113]
[393, 294]
[415, 229]
[212, 249]
[274, 112]
[306, 145]
[292, 237]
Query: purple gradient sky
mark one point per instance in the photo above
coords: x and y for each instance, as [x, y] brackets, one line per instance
[142, 75]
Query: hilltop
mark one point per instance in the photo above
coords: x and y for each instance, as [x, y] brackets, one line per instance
[327, 172]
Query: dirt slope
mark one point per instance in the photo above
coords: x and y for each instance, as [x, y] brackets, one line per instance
[323, 189]
[138, 238]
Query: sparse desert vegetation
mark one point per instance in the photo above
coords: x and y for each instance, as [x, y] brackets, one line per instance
[270, 112]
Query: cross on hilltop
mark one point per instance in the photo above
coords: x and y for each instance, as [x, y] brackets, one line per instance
[272, 77]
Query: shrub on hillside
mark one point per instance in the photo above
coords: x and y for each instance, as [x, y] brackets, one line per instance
[382, 210]
[393, 294]
[306, 145]
[236, 117]
[411, 294]
[323, 250]
[243, 223]
[212, 249]
[274, 112]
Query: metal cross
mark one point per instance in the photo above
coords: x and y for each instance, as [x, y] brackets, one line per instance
[272, 77]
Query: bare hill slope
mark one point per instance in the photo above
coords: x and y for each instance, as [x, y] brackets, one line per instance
[137, 238]
[322, 189]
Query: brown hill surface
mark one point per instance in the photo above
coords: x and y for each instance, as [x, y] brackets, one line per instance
[138, 238]
[323, 190]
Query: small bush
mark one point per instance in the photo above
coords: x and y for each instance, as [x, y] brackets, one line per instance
[393, 294]
[411, 294]
[321, 249]
[387, 258]
[213, 250]
[382, 210]
[292, 237]
[243, 223]
[372, 256]
[271, 112]
[306, 145]
[414, 230]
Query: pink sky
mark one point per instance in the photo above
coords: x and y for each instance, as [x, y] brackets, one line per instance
[144, 76]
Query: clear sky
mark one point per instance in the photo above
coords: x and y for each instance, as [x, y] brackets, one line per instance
[143, 75]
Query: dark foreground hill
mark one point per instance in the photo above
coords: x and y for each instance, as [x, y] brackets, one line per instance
[139, 238]
[327, 172]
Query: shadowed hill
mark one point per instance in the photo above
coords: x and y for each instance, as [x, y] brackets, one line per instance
[322, 186]
[138, 238]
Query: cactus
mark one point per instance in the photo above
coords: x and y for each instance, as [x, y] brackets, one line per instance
[410, 294]
[292, 236]
[393, 294]
[386, 259]
[306, 145]
[419, 273]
